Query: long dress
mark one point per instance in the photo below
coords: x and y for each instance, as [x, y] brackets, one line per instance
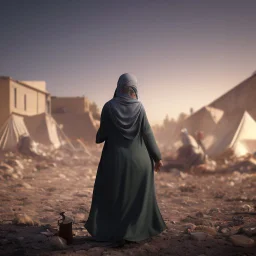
[124, 203]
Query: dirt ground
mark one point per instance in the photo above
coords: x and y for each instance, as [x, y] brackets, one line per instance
[200, 211]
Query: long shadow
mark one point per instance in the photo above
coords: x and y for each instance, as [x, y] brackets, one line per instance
[16, 240]
[27, 241]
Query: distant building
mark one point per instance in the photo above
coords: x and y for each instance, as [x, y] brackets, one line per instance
[75, 116]
[25, 98]
[75, 105]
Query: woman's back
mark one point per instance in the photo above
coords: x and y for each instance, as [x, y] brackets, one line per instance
[124, 203]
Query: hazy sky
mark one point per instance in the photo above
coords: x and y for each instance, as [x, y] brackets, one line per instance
[184, 53]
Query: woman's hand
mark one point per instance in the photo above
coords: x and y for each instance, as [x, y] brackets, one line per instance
[158, 165]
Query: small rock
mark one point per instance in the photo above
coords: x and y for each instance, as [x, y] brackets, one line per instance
[199, 215]
[62, 176]
[199, 236]
[189, 227]
[47, 233]
[15, 176]
[249, 230]
[232, 183]
[26, 185]
[15, 163]
[238, 220]
[40, 167]
[58, 243]
[225, 230]
[208, 230]
[247, 208]
[183, 175]
[214, 210]
[243, 241]
[19, 164]
[6, 168]
[23, 219]
[48, 209]
[19, 173]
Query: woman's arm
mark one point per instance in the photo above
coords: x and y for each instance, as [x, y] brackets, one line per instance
[101, 135]
[149, 140]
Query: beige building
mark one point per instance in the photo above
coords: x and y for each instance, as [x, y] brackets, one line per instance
[25, 98]
[75, 105]
[75, 116]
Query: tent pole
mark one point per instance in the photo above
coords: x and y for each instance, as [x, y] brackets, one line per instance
[64, 135]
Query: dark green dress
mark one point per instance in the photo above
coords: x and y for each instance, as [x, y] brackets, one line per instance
[124, 203]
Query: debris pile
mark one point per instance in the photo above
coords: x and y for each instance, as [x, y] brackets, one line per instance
[33, 157]
[232, 229]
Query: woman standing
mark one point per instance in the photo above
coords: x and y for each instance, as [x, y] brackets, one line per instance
[124, 204]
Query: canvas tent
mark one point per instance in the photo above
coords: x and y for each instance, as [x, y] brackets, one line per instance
[237, 131]
[204, 120]
[10, 132]
[41, 128]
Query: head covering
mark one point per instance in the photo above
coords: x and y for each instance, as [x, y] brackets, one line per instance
[125, 111]
[126, 80]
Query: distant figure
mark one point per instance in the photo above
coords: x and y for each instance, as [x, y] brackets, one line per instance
[124, 206]
[190, 152]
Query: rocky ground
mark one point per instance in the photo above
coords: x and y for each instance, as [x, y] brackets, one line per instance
[206, 214]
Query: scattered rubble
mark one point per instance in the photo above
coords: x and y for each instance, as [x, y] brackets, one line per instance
[200, 208]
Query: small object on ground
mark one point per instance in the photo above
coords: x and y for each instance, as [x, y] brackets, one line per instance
[224, 230]
[26, 185]
[238, 220]
[219, 194]
[199, 215]
[248, 230]
[47, 233]
[241, 240]
[23, 219]
[58, 243]
[189, 227]
[214, 210]
[247, 208]
[65, 228]
[199, 236]
[209, 230]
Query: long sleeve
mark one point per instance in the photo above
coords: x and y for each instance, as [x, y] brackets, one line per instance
[149, 140]
[101, 135]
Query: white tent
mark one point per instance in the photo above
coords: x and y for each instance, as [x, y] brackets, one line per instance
[41, 128]
[206, 119]
[236, 133]
[10, 132]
